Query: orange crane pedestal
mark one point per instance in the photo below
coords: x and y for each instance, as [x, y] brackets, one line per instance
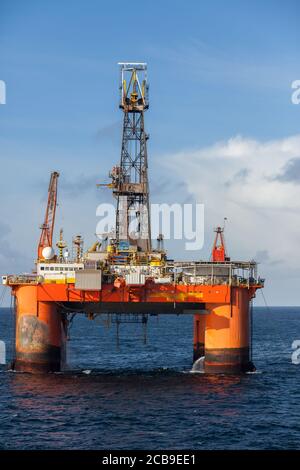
[225, 331]
[40, 333]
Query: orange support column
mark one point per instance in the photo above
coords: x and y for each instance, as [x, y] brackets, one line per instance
[40, 333]
[199, 335]
[227, 335]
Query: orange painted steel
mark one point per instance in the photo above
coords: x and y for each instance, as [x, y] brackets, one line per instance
[150, 292]
[227, 335]
[40, 333]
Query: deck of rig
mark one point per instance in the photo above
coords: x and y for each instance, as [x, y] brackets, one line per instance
[124, 276]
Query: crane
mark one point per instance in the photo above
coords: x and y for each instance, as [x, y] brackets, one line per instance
[48, 225]
[218, 253]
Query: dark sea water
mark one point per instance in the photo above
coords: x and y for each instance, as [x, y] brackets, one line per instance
[142, 396]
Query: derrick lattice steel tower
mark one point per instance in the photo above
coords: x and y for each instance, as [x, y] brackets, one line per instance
[130, 178]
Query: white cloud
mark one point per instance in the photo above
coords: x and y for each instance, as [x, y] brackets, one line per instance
[252, 183]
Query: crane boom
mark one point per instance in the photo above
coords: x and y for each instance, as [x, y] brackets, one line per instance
[48, 225]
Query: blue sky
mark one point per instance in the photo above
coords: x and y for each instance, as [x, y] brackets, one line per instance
[217, 70]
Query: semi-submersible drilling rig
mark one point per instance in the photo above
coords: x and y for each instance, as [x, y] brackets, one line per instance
[125, 276]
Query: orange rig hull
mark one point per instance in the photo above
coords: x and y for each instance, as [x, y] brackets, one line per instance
[221, 319]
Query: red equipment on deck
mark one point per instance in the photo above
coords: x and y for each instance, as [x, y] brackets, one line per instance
[218, 253]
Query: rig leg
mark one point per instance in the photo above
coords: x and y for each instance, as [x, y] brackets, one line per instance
[199, 335]
[227, 336]
[40, 333]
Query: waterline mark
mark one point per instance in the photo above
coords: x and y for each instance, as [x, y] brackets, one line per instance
[175, 221]
[2, 92]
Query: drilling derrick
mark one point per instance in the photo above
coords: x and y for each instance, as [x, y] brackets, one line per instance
[130, 178]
